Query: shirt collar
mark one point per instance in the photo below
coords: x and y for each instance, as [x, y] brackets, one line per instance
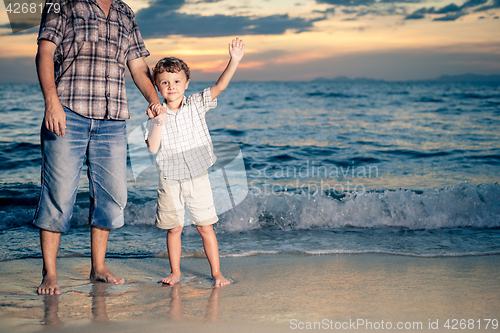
[183, 104]
[118, 5]
[115, 5]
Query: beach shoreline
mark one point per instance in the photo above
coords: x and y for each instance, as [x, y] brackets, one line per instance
[269, 292]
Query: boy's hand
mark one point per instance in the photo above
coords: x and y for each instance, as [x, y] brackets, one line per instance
[155, 109]
[236, 49]
[161, 119]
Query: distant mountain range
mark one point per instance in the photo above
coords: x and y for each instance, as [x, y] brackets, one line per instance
[442, 78]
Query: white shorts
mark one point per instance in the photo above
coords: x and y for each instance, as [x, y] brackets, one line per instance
[174, 194]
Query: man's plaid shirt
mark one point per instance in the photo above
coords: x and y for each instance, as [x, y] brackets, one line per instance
[91, 55]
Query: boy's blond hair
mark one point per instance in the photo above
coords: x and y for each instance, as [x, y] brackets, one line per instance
[170, 65]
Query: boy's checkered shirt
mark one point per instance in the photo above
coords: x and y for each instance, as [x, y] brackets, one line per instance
[186, 147]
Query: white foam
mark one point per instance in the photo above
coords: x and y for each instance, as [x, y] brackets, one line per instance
[462, 205]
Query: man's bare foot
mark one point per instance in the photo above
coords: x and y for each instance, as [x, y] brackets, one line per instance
[49, 285]
[172, 278]
[220, 281]
[105, 275]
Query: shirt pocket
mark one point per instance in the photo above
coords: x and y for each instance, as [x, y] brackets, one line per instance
[124, 31]
[85, 26]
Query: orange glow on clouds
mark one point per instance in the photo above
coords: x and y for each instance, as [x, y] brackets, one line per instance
[338, 35]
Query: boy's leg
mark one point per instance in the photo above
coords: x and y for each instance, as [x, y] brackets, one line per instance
[212, 251]
[174, 247]
[49, 241]
[170, 216]
[200, 202]
[99, 242]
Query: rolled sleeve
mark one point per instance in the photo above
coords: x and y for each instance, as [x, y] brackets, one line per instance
[53, 24]
[137, 48]
[203, 101]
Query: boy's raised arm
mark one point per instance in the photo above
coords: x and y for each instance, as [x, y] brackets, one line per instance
[236, 52]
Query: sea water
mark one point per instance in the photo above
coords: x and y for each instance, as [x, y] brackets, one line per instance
[404, 168]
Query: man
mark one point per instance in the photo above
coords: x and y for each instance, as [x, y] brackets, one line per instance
[83, 47]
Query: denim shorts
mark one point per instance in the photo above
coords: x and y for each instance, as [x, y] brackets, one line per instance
[104, 143]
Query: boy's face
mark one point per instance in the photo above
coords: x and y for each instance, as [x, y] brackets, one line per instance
[172, 86]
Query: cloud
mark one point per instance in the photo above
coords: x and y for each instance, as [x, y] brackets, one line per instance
[349, 11]
[453, 11]
[330, 10]
[383, 11]
[419, 14]
[161, 19]
[473, 3]
[348, 3]
[496, 4]
[400, 1]
[17, 33]
[451, 8]
[451, 16]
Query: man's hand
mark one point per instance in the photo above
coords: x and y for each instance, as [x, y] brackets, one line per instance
[155, 109]
[55, 119]
[236, 49]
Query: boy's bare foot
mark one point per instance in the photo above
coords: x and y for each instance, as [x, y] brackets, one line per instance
[105, 275]
[220, 281]
[172, 278]
[49, 286]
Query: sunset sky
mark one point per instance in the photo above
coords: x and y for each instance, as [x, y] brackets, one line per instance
[304, 39]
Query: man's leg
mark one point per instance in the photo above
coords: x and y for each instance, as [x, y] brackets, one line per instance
[99, 243]
[107, 173]
[62, 160]
[49, 241]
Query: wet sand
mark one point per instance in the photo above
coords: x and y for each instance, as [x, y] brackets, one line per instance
[269, 293]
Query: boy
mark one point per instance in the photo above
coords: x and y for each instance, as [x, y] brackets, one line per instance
[185, 152]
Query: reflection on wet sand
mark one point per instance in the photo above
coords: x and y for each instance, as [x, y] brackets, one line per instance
[100, 292]
[51, 312]
[211, 310]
